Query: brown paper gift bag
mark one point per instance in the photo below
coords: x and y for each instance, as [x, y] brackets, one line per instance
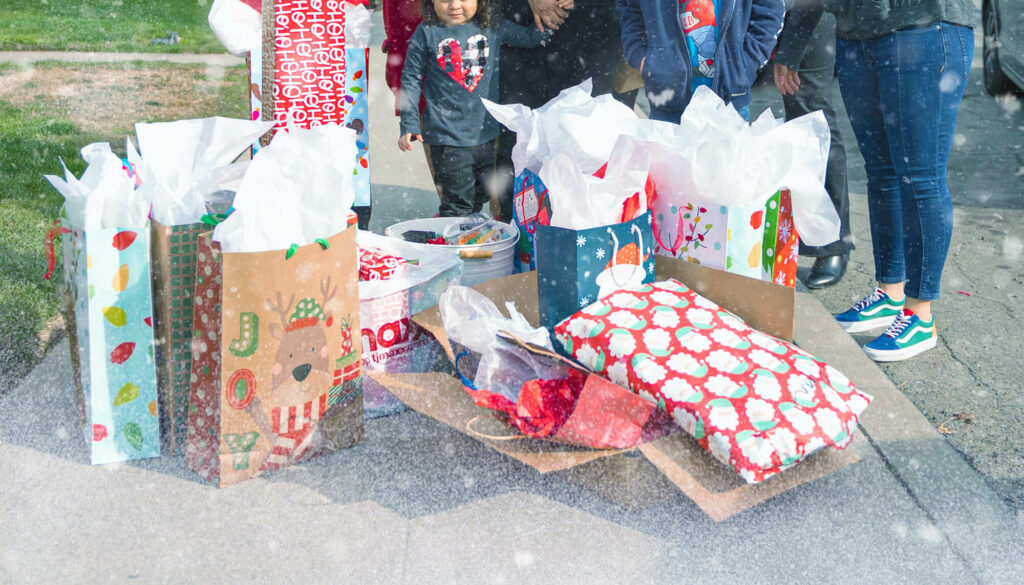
[275, 371]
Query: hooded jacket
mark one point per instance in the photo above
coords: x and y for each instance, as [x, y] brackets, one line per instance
[652, 34]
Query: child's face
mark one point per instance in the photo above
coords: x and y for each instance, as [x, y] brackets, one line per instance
[455, 12]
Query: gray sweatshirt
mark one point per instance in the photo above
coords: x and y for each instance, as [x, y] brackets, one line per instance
[456, 66]
[866, 19]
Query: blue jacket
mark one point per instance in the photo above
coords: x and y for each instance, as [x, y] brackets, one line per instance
[651, 32]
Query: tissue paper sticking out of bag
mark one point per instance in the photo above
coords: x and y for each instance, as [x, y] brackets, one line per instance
[357, 26]
[297, 189]
[237, 25]
[539, 133]
[186, 160]
[105, 196]
[582, 201]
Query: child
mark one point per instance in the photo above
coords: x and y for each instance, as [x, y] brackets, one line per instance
[453, 57]
[718, 43]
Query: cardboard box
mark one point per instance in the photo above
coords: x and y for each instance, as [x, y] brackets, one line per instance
[715, 488]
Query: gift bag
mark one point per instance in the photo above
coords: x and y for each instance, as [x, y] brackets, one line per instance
[718, 236]
[400, 280]
[577, 267]
[275, 365]
[530, 208]
[110, 309]
[173, 250]
[781, 245]
[320, 56]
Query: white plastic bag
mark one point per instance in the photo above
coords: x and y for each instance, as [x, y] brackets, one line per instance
[297, 189]
[428, 262]
[473, 320]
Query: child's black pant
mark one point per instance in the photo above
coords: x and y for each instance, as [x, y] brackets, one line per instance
[464, 176]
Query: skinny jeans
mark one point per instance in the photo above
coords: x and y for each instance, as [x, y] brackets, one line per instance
[902, 92]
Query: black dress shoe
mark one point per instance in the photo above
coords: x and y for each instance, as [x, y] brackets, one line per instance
[827, 270]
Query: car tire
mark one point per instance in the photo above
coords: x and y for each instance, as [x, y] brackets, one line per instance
[996, 82]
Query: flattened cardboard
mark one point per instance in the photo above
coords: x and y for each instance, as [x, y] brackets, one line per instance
[715, 488]
[441, 397]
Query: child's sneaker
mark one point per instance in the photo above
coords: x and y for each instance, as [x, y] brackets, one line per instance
[873, 311]
[906, 337]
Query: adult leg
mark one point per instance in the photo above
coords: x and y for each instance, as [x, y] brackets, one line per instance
[923, 92]
[453, 177]
[859, 85]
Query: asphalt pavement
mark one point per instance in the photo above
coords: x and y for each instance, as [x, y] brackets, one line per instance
[418, 502]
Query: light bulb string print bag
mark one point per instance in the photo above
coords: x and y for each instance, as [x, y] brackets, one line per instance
[105, 245]
[756, 403]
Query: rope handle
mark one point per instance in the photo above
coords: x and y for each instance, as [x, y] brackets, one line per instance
[615, 252]
[473, 431]
[51, 251]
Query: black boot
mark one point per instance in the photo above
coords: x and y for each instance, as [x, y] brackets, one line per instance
[827, 270]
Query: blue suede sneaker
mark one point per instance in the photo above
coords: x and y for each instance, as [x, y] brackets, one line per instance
[906, 337]
[873, 311]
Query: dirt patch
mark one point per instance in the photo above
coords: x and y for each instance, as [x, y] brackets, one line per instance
[110, 99]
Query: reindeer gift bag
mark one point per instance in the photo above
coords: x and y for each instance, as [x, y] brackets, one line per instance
[275, 368]
[275, 353]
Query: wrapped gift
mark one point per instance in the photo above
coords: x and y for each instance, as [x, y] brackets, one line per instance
[756, 403]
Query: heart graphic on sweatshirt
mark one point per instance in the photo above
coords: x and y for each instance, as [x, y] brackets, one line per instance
[464, 65]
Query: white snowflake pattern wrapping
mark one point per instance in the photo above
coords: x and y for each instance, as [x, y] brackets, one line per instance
[756, 403]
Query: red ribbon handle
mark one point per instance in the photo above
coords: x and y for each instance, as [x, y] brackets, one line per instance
[51, 252]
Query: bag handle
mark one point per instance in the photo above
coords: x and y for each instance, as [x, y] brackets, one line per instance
[678, 244]
[51, 251]
[473, 431]
[615, 252]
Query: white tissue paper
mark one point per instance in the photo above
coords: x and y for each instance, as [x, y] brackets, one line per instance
[236, 25]
[184, 161]
[357, 26]
[297, 189]
[540, 133]
[105, 196]
[580, 200]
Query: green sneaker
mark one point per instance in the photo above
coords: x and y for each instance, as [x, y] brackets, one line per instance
[906, 337]
[873, 311]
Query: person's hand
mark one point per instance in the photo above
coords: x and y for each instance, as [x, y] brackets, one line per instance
[405, 142]
[566, 4]
[786, 79]
[548, 13]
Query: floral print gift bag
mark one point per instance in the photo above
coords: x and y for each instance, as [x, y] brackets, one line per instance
[756, 403]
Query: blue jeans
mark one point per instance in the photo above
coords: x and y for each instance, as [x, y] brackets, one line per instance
[902, 92]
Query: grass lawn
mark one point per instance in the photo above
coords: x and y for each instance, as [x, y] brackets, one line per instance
[47, 125]
[106, 25]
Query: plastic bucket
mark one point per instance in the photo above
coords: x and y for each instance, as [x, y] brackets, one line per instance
[481, 261]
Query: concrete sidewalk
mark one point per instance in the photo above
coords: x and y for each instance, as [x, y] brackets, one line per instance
[417, 502]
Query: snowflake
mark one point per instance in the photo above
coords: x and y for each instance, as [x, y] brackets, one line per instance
[794, 253]
[650, 267]
[785, 229]
[599, 253]
[780, 278]
[581, 241]
[584, 302]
